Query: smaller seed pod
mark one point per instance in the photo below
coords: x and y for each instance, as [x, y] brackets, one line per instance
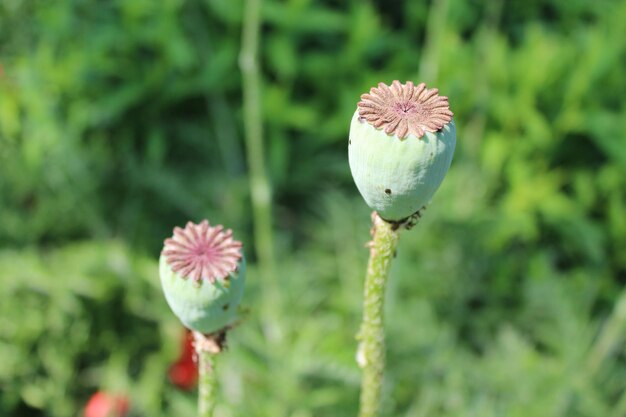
[202, 271]
[401, 143]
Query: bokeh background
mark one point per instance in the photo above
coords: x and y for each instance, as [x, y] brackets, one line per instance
[121, 119]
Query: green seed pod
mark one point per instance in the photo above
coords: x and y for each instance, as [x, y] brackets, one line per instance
[401, 143]
[202, 273]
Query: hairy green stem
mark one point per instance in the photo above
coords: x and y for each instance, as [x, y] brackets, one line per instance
[371, 353]
[260, 190]
[206, 351]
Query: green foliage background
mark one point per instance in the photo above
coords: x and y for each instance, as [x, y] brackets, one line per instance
[121, 119]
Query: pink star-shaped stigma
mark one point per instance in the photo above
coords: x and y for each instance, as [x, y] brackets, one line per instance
[405, 108]
[200, 251]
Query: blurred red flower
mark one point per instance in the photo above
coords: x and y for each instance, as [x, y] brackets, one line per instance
[103, 404]
[184, 372]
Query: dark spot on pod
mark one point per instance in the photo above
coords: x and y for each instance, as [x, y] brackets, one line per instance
[387, 191]
[350, 142]
[225, 307]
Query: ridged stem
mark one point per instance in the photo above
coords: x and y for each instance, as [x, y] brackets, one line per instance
[206, 351]
[371, 352]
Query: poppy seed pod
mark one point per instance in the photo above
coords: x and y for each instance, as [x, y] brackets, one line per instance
[202, 273]
[400, 147]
